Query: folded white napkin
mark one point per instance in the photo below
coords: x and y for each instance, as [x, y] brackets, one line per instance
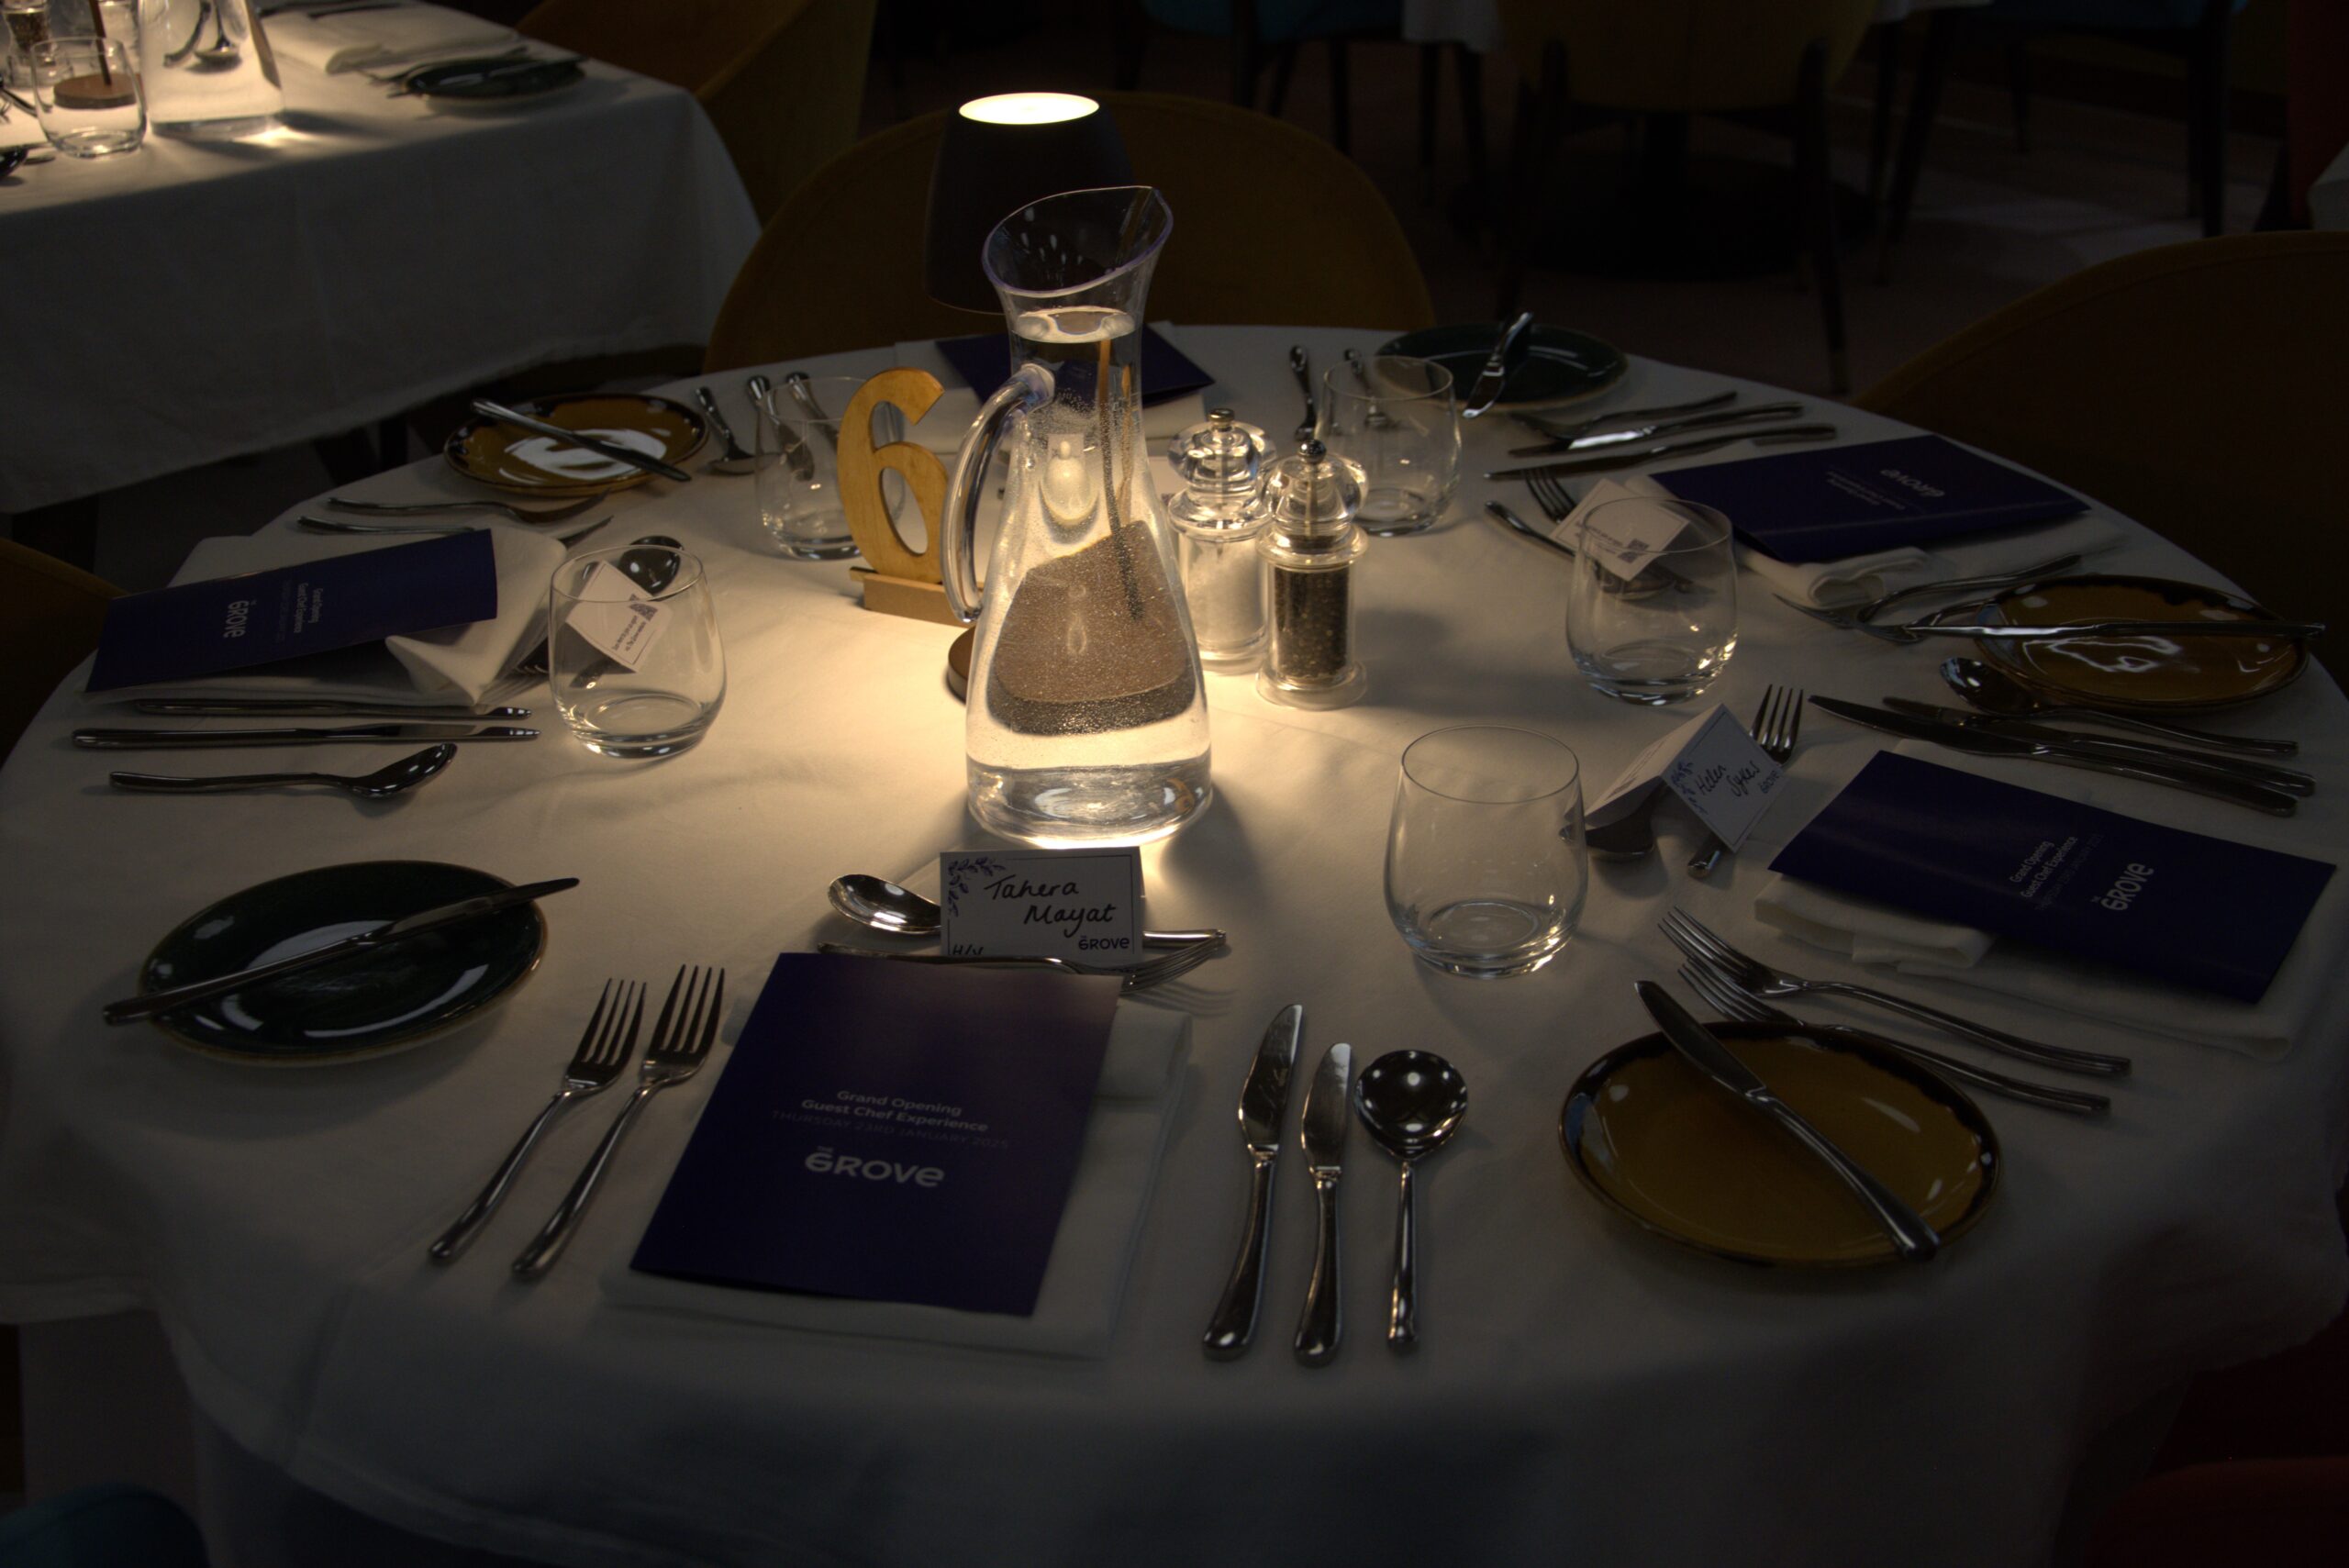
[1133, 1107]
[1859, 578]
[943, 428]
[456, 664]
[405, 32]
[1879, 934]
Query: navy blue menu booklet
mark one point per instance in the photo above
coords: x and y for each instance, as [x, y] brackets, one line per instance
[2197, 911]
[259, 617]
[985, 361]
[1827, 503]
[892, 1132]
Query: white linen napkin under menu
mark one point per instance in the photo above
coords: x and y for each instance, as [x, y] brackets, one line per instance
[391, 37]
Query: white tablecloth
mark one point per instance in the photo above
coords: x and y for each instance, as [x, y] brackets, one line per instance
[1581, 1389]
[196, 300]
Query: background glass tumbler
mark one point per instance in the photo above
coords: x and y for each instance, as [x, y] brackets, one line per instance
[1652, 603]
[633, 656]
[1486, 866]
[798, 467]
[1395, 417]
[88, 96]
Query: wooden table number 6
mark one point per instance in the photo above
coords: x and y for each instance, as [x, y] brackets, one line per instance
[897, 579]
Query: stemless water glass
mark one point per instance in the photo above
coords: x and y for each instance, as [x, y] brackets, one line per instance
[633, 656]
[1395, 416]
[798, 467]
[1652, 605]
[88, 96]
[1486, 866]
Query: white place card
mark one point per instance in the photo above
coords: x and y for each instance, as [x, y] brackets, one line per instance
[622, 630]
[1714, 768]
[1635, 535]
[1079, 904]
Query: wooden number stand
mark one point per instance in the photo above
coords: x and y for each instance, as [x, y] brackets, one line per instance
[897, 579]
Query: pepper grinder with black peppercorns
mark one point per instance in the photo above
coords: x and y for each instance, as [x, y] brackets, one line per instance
[1311, 546]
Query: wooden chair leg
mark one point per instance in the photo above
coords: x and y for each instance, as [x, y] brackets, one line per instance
[1247, 55]
[1924, 103]
[1887, 81]
[1817, 196]
[1469, 71]
[1340, 115]
[1540, 115]
[1431, 83]
[2018, 92]
[2208, 155]
[1284, 69]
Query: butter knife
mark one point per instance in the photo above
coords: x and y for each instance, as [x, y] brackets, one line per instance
[1910, 1234]
[803, 392]
[399, 734]
[1329, 1105]
[1263, 1102]
[1776, 435]
[1493, 377]
[795, 450]
[131, 1009]
[2291, 781]
[301, 708]
[1760, 415]
[601, 447]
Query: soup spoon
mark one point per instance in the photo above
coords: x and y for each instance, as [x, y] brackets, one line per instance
[884, 906]
[1411, 1101]
[382, 784]
[1994, 691]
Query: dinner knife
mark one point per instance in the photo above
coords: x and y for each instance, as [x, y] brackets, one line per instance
[1759, 414]
[1981, 742]
[104, 740]
[2291, 781]
[302, 708]
[1263, 1102]
[1910, 1235]
[1562, 430]
[601, 447]
[131, 1009]
[1495, 375]
[795, 450]
[1328, 1104]
[1777, 435]
[1499, 512]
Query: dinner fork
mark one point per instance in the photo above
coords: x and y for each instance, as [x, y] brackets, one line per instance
[681, 1041]
[336, 525]
[1849, 618]
[1745, 1007]
[1751, 974]
[1138, 977]
[602, 1051]
[424, 508]
[1776, 723]
[1550, 494]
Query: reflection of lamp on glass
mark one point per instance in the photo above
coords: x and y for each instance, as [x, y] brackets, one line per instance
[998, 155]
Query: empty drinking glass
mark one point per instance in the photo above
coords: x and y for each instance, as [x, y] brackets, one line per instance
[798, 468]
[88, 96]
[633, 656]
[1397, 418]
[1486, 867]
[1652, 603]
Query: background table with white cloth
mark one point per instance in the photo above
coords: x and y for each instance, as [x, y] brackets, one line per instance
[198, 300]
[1582, 1390]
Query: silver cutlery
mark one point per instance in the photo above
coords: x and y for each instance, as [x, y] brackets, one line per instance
[1776, 724]
[1776, 435]
[304, 707]
[1911, 1236]
[10, 157]
[406, 87]
[1566, 430]
[1994, 691]
[1762, 413]
[149, 1004]
[1493, 379]
[884, 906]
[1263, 1103]
[393, 78]
[584, 442]
[1138, 977]
[396, 778]
[734, 460]
[680, 1044]
[1743, 1007]
[2290, 781]
[1300, 365]
[1550, 494]
[426, 508]
[1323, 1131]
[108, 740]
[2277, 631]
[803, 392]
[2234, 790]
[1500, 514]
[1848, 617]
[1373, 416]
[337, 525]
[1751, 974]
[601, 1054]
[1412, 1103]
[795, 450]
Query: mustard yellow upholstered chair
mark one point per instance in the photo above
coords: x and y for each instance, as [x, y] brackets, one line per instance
[49, 616]
[1751, 59]
[2197, 388]
[1307, 240]
[782, 80]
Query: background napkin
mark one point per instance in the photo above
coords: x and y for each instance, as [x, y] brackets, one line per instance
[405, 32]
[1859, 578]
[1077, 1312]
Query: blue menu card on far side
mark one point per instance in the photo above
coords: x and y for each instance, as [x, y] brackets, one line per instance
[890, 1132]
[259, 617]
[2197, 911]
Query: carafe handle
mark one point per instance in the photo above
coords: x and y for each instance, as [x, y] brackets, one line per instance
[1031, 387]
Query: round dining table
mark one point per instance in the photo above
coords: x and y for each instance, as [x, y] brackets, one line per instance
[1582, 1391]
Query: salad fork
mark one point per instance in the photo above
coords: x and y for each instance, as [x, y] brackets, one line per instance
[422, 508]
[1138, 977]
[1751, 974]
[602, 1051]
[681, 1042]
[1745, 1007]
[1777, 724]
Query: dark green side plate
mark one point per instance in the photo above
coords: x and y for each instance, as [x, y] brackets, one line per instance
[1563, 363]
[493, 81]
[363, 1006]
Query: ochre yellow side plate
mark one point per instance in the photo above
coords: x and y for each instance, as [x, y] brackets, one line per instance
[514, 458]
[1661, 1143]
[2144, 674]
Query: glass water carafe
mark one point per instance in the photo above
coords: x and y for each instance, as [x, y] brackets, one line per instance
[207, 69]
[1088, 721]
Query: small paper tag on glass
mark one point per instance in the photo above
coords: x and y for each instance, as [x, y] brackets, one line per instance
[1713, 764]
[1635, 535]
[1078, 904]
[623, 630]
